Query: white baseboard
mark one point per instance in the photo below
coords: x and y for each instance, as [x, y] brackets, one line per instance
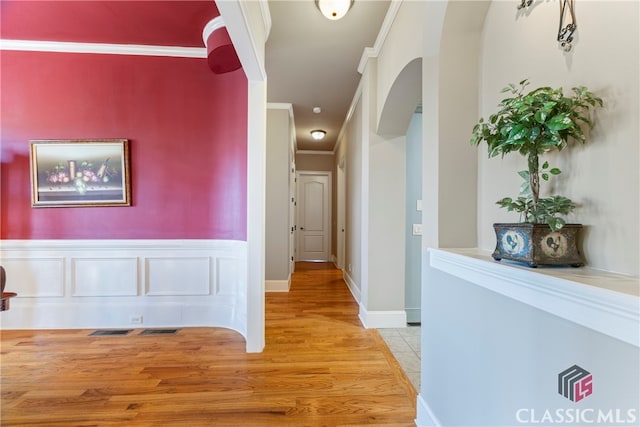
[77, 284]
[379, 319]
[277, 285]
[425, 416]
[351, 284]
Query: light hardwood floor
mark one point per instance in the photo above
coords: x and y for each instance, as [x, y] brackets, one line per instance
[319, 368]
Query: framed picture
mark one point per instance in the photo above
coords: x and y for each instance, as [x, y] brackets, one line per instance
[80, 173]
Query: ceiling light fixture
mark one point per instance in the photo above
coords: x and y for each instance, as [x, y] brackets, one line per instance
[334, 9]
[318, 134]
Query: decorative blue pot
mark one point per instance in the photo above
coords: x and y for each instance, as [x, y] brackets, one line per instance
[537, 244]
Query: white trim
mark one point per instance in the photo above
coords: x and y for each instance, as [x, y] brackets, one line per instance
[237, 18]
[345, 123]
[277, 285]
[102, 48]
[292, 123]
[328, 153]
[380, 319]
[425, 416]
[266, 17]
[213, 25]
[249, 44]
[351, 284]
[556, 291]
[66, 284]
[382, 35]
[280, 106]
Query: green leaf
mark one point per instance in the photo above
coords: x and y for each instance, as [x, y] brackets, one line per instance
[541, 116]
[560, 122]
[519, 131]
[524, 175]
[555, 171]
[545, 176]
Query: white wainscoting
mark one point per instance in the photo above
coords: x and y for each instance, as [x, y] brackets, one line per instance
[112, 283]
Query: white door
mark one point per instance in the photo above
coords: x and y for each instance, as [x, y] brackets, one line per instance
[314, 208]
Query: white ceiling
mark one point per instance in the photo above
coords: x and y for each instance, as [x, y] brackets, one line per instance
[312, 61]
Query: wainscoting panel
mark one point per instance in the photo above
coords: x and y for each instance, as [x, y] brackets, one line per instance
[227, 276]
[103, 277]
[35, 277]
[178, 276]
[65, 284]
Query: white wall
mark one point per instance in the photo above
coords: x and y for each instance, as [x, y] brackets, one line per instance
[494, 358]
[602, 176]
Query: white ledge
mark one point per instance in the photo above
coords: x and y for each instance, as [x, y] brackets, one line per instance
[605, 302]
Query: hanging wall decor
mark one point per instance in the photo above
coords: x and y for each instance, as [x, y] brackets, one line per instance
[567, 25]
[80, 173]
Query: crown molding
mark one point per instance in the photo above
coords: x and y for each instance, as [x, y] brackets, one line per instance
[102, 48]
[288, 107]
[382, 35]
[266, 17]
[326, 153]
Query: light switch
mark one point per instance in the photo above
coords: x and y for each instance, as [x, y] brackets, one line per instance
[419, 205]
[417, 229]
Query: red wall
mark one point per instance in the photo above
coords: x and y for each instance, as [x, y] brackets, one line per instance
[188, 142]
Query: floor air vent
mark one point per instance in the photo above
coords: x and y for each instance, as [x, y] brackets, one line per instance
[104, 332]
[159, 332]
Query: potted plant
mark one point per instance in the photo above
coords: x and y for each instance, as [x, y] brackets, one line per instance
[531, 124]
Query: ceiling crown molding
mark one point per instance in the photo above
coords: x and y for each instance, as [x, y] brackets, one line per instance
[102, 48]
[373, 52]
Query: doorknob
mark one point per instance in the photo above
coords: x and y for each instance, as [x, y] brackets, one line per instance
[301, 228]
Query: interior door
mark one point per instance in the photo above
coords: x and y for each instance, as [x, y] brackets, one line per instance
[314, 211]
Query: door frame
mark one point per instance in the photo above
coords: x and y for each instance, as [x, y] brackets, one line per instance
[341, 199]
[329, 175]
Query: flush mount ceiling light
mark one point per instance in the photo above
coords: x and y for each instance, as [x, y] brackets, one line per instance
[334, 9]
[318, 134]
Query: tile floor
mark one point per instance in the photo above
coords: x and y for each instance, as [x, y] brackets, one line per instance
[404, 343]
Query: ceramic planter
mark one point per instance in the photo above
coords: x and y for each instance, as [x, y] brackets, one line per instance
[536, 244]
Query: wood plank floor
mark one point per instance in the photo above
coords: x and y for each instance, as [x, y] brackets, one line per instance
[319, 368]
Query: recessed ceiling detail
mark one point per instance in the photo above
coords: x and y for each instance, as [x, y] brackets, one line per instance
[221, 55]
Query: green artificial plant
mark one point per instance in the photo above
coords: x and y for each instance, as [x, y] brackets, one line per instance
[531, 124]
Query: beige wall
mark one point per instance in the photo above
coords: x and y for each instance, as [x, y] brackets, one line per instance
[277, 231]
[315, 162]
[602, 176]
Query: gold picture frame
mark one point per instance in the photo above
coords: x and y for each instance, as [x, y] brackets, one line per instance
[82, 172]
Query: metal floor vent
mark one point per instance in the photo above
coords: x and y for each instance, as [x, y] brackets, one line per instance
[159, 332]
[104, 332]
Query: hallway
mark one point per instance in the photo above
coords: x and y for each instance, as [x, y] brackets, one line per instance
[319, 368]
